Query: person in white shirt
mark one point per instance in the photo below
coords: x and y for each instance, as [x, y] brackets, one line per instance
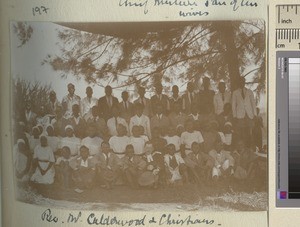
[243, 111]
[118, 143]
[137, 141]
[71, 141]
[92, 142]
[175, 165]
[69, 100]
[87, 103]
[114, 121]
[172, 138]
[221, 98]
[224, 162]
[141, 120]
[190, 135]
[43, 118]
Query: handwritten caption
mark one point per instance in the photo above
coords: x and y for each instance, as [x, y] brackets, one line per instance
[189, 7]
[144, 220]
[39, 10]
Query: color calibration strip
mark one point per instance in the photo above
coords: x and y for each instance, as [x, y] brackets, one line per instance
[294, 127]
[288, 128]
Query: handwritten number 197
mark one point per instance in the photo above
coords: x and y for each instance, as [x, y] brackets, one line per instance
[39, 10]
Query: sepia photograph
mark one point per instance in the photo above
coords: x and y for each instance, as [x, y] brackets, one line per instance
[140, 115]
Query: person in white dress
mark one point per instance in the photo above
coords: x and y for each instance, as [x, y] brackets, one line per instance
[53, 141]
[92, 142]
[22, 161]
[137, 141]
[118, 143]
[71, 141]
[43, 160]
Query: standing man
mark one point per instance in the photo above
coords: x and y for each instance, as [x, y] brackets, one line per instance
[206, 97]
[126, 107]
[52, 104]
[189, 98]
[161, 99]
[243, 110]
[221, 98]
[159, 120]
[87, 103]
[106, 103]
[175, 98]
[69, 100]
[30, 118]
[144, 101]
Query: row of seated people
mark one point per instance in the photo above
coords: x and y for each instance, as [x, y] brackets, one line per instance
[136, 161]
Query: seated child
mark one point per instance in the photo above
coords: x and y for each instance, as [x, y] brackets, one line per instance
[228, 136]
[200, 163]
[155, 165]
[108, 168]
[84, 170]
[63, 170]
[223, 161]
[22, 161]
[175, 166]
[243, 159]
[133, 166]
[34, 140]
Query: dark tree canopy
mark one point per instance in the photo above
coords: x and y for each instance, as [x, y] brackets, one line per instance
[148, 53]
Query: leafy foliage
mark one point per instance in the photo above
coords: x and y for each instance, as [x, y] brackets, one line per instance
[33, 92]
[222, 50]
[23, 32]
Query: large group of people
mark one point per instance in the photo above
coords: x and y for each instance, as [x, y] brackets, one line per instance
[196, 137]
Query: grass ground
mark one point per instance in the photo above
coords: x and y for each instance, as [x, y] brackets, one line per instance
[236, 196]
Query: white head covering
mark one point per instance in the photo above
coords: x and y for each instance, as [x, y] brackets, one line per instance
[69, 127]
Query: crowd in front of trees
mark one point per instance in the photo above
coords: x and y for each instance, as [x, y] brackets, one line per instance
[198, 137]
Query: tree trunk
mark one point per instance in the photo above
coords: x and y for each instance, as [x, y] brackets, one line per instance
[227, 35]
